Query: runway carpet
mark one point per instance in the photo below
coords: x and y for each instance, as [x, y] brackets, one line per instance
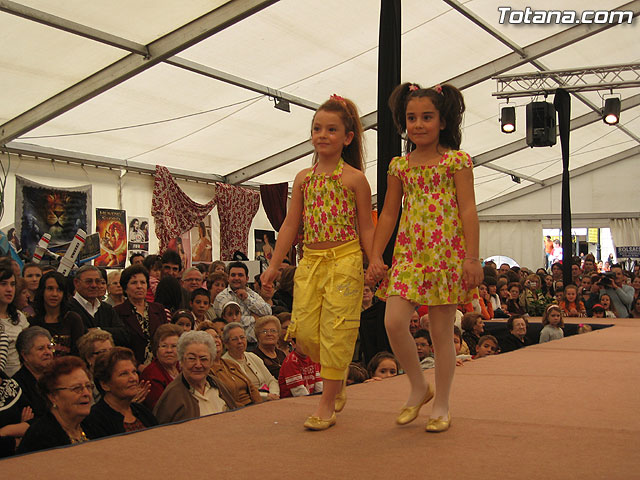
[567, 409]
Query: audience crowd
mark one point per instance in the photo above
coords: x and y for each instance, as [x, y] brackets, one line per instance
[97, 355]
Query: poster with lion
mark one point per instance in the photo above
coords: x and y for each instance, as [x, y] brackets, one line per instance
[41, 209]
[113, 238]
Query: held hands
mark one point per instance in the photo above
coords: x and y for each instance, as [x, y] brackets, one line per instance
[269, 276]
[472, 272]
[377, 269]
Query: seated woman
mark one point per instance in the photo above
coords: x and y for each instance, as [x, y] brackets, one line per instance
[142, 318]
[194, 392]
[472, 329]
[92, 344]
[252, 366]
[52, 313]
[164, 368]
[116, 375]
[115, 293]
[517, 338]
[268, 333]
[229, 373]
[67, 388]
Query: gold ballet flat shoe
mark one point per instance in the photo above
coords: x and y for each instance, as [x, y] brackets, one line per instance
[341, 398]
[409, 414]
[435, 425]
[317, 423]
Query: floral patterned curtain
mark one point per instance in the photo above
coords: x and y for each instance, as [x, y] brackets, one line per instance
[173, 211]
[236, 208]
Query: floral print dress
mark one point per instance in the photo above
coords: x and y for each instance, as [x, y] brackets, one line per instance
[430, 246]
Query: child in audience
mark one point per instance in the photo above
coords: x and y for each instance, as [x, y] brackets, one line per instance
[598, 311]
[584, 328]
[216, 282]
[218, 266]
[462, 350]
[487, 345]
[199, 304]
[184, 319]
[486, 309]
[553, 323]
[357, 374]
[423, 344]
[472, 328]
[383, 365]
[605, 301]
[299, 375]
[570, 305]
[231, 312]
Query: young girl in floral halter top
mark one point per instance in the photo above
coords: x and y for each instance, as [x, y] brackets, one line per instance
[333, 200]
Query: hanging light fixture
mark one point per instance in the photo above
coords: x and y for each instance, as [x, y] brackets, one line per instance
[611, 111]
[508, 119]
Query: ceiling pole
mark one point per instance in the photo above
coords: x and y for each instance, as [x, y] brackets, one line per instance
[389, 65]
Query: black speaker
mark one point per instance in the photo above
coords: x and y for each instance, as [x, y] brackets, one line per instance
[541, 124]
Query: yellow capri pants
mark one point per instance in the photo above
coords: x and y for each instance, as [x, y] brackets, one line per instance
[327, 300]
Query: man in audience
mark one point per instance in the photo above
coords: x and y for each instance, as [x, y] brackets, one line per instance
[36, 355]
[136, 258]
[620, 293]
[94, 313]
[589, 266]
[251, 304]
[191, 279]
[171, 264]
[504, 268]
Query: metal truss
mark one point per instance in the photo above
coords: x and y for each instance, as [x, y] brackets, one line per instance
[575, 80]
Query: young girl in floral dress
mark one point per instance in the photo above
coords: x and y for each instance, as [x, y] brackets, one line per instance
[435, 260]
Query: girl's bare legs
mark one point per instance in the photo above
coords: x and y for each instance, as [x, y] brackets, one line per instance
[441, 319]
[396, 321]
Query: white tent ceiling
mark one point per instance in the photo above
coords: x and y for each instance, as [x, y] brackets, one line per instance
[302, 49]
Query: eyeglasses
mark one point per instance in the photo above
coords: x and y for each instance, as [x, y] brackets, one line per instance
[269, 330]
[78, 389]
[98, 352]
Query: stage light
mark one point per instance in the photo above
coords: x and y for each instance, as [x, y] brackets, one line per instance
[282, 104]
[508, 119]
[611, 111]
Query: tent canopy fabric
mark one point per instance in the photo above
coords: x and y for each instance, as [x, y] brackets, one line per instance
[190, 85]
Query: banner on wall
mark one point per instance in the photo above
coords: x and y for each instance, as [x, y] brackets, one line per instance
[201, 247]
[41, 209]
[138, 235]
[113, 238]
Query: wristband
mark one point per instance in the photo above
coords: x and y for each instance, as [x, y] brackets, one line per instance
[472, 258]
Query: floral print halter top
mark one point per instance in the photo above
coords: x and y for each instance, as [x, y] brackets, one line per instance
[329, 208]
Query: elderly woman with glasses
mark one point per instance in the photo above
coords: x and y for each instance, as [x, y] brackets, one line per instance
[194, 392]
[67, 388]
[268, 331]
[252, 366]
[116, 375]
[164, 368]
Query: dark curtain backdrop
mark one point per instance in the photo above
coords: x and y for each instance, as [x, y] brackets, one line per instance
[562, 103]
[274, 201]
[388, 78]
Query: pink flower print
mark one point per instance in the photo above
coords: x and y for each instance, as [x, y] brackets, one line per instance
[403, 239]
[447, 253]
[421, 182]
[417, 228]
[436, 236]
[420, 244]
[455, 242]
[334, 210]
[395, 273]
[430, 245]
[453, 203]
[436, 179]
[330, 228]
[422, 290]
[432, 208]
[443, 265]
[455, 277]
[401, 287]
[436, 196]
[345, 206]
[323, 218]
[454, 223]
[332, 195]
[428, 284]
[409, 256]
[439, 220]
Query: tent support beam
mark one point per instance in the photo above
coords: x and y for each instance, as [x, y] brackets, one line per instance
[618, 157]
[131, 65]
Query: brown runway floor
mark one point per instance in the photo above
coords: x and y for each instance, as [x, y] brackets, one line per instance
[567, 409]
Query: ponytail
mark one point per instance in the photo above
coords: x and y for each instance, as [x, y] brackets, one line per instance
[353, 153]
[447, 99]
